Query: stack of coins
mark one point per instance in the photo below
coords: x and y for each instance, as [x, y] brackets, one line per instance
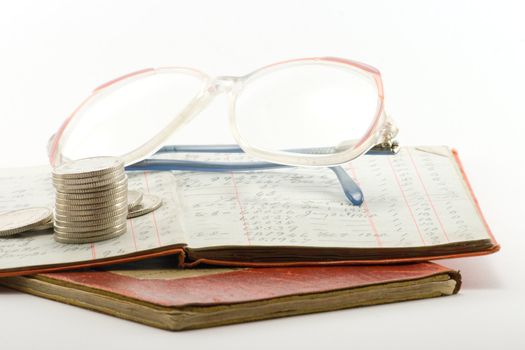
[91, 200]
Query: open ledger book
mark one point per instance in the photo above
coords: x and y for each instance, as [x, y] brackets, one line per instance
[418, 206]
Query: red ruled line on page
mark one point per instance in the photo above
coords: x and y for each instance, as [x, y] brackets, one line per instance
[132, 229]
[245, 226]
[153, 213]
[93, 251]
[428, 195]
[406, 201]
[243, 218]
[367, 210]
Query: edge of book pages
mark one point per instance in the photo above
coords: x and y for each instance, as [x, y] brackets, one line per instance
[186, 299]
[187, 257]
[245, 256]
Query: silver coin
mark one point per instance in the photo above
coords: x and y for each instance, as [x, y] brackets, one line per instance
[96, 181]
[149, 203]
[22, 220]
[91, 220]
[87, 227]
[102, 232]
[93, 226]
[45, 226]
[109, 187]
[87, 205]
[70, 212]
[113, 208]
[134, 199]
[62, 239]
[88, 167]
[81, 205]
[62, 187]
[92, 197]
[109, 215]
[85, 180]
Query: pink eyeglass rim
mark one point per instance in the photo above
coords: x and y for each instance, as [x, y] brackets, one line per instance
[54, 142]
[374, 72]
[53, 146]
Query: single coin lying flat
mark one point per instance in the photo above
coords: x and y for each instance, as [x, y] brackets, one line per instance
[148, 204]
[22, 220]
[134, 199]
[45, 226]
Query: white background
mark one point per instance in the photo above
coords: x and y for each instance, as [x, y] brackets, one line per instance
[453, 72]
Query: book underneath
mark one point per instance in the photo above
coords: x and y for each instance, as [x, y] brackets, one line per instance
[152, 292]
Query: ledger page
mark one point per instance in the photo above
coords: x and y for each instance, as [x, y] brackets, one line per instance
[415, 198]
[29, 187]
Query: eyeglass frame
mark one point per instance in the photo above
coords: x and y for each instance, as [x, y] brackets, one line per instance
[379, 138]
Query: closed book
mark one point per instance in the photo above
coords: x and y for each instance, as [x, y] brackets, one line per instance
[155, 293]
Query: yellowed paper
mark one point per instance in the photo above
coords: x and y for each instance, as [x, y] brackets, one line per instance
[28, 187]
[416, 198]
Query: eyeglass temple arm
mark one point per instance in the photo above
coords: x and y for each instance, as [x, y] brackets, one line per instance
[351, 190]
[379, 149]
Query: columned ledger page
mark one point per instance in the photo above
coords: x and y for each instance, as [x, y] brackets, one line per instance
[28, 187]
[415, 198]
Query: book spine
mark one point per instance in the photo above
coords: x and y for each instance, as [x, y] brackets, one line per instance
[178, 252]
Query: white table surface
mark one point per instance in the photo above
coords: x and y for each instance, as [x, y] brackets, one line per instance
[453, 72]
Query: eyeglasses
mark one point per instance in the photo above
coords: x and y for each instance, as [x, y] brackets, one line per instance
[317, 112]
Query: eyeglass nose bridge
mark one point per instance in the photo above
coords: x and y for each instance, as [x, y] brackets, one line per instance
[224, 84]
[216, 86]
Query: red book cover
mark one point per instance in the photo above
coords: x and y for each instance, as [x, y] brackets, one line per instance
[175, 299]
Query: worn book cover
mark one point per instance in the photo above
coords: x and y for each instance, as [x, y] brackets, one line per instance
[418, 206]
[152, 292]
